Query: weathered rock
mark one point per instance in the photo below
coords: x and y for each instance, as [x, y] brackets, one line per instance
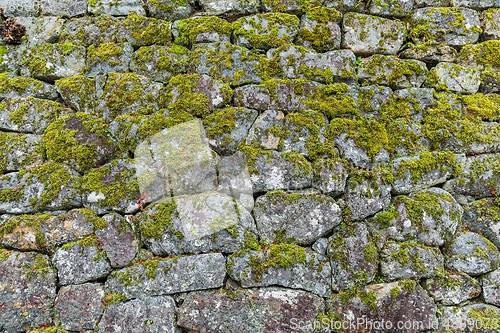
[108, 58]
[279, 171]
[50, 186]
[392, 71]
[234, 179]
[303, 217]
[482, 216]
[110, 7]
[328, 67]
[169, 276]
[155, 314]
[431, 54]
[470, 253]
[229, 127]
[491, 287]
[41, 30]
[19, 86]
[455, 26]
[49, 62]
[286, 265]
[294, 7]
[212, 59]
[320, 245]
[366, 196]
[259, 310]
[330, 176]
[320, 29]
[63, 7]
[365, 34]
[201, 223]
[389, 8]
[29, 285]
[19, 150]
[118, 240]
[478, 179]
[81, 261]
[279, 95]
[451, 77]
[79, 307]
[265, 31]
[23, 8]
[29, 115]
[353, 255]
[169, 9]
[112, 187]
[359, 155]
[410, 260]
[261, 130]
[490, 24]
[410, 103]
[476, 4]
[470, 318]
[90, 30]
[230, 8]
[372, 98]
[201, 29]
[159, 63]
[386, 304]
[452, 288]
[79, 92]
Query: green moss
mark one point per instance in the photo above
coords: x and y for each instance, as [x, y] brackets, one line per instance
[320, 37]
[144, 30]
[22, 108]
[105, 52]
[39, 267]
[385, 218]
[486, 53]
[222, 123]
[89, 241]
[19, 150]
[171, 59]
[79, 88]
[113, 298]
[34, 222]
[486, 319]
[407, 285]
[485, 107]
[4, 254]
[154, 225]
[40, 59]
[427, 162]
[407, 255]
[395, 292]
[19, 84]
[190, 28]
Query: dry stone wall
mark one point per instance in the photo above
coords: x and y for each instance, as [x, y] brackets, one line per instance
[369, 130]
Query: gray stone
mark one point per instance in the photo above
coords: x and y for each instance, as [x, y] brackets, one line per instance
[118, 240]
[392, 71]
[234, 179]
[396, 302]
[49, 62]
[481, 216]
[108, 58]
[27, 8]
[453, 26]
[415, 100]
[211, 59]
[9, 60]
[431, 54]
[433, 3]
[345, 6]
[388, 8]
[41, 30]
[491, 287]
[139, 30]
[112, 187]
[320, 245]
[490, 23]
[283, 97]
[451, 77]
[410, 260]
[19, 150]
[452, 288]
[303, 217]
[169, 9]
[32, 190]
[273, 30]
[79, 307]
[471, 253]
[19, 86]
[320, 29]
[201, 29]
[208, 222]
[118, 8]
[29, 286]
[294, 7]
[470, 318]
[353, 255]
[476, 4]
[366, 197]
[372, 98]
[258, 310]
[308, 270]
[328, 67]
[67, 8]
[357, 155]
[81, 261]
[330, 176]
[274, 171]
[150, 315]
[230, 8]
[169, 276]
[78, 92]
[29, 114]
[365, 35]
[90, 30]
[159, 63]
[261, 130]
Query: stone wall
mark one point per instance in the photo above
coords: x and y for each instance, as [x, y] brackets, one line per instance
[369, 131]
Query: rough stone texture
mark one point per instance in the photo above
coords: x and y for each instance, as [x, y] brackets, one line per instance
[154, 314]
[410, 260]
[452, 288]
[79, 262]
[490, 23]
[491, 287]
[353, 255]
[482, 216]
[118, 240]
[260, 310]
[388, 8]
[42, 29]
[454, 78]
[20, 150]
[372, 98]
[261, 129]
[320, 29]
[67, 8]
[27, 8]
[169, 276]
[357, 155]
[309, 271]
[89, 30]
[17, 86]
[288, 6]
[470, 253]
[389, 302]
[366, 197]
[230, 8]
[304, 217]
[169, 9]
[234, 179]
[79, 307]
[28, 285]
[345, 6]
[365, 35]
[159, 63]
[392, 71]
[470, 318]
[454, 26]
[330, 177]
[110, 7]
[476, 4]
[431, 54]
[320, 245]
[108, 58]
[219, 222]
